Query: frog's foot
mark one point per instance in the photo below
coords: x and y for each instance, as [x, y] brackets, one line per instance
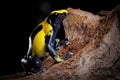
[57, 46]
[65, 41]
[34, 70]
[69, 55]
[67, 38]
[41, 69]
[30, 73]
[58, 59]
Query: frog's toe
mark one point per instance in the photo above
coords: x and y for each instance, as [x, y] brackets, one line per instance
[67, 43]
[42, 69]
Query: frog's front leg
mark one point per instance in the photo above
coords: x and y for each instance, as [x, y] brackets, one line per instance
[52, 51]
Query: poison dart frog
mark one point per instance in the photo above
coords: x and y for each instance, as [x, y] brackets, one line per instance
[42, 40]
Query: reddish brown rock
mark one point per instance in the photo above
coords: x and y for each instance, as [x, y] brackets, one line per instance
[95, 42]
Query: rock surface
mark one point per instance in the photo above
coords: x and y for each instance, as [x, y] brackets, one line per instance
[95, 42]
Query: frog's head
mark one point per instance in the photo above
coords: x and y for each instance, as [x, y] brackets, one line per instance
[56, 17]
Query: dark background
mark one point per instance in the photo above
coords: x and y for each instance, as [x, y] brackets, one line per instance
[21, 16]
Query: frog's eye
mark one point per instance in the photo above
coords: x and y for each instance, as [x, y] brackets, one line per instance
[49, 20]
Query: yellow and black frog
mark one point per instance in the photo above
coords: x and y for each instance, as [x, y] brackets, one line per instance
[43, 40]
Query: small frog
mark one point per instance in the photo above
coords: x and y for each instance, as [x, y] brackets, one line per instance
[42, 40]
